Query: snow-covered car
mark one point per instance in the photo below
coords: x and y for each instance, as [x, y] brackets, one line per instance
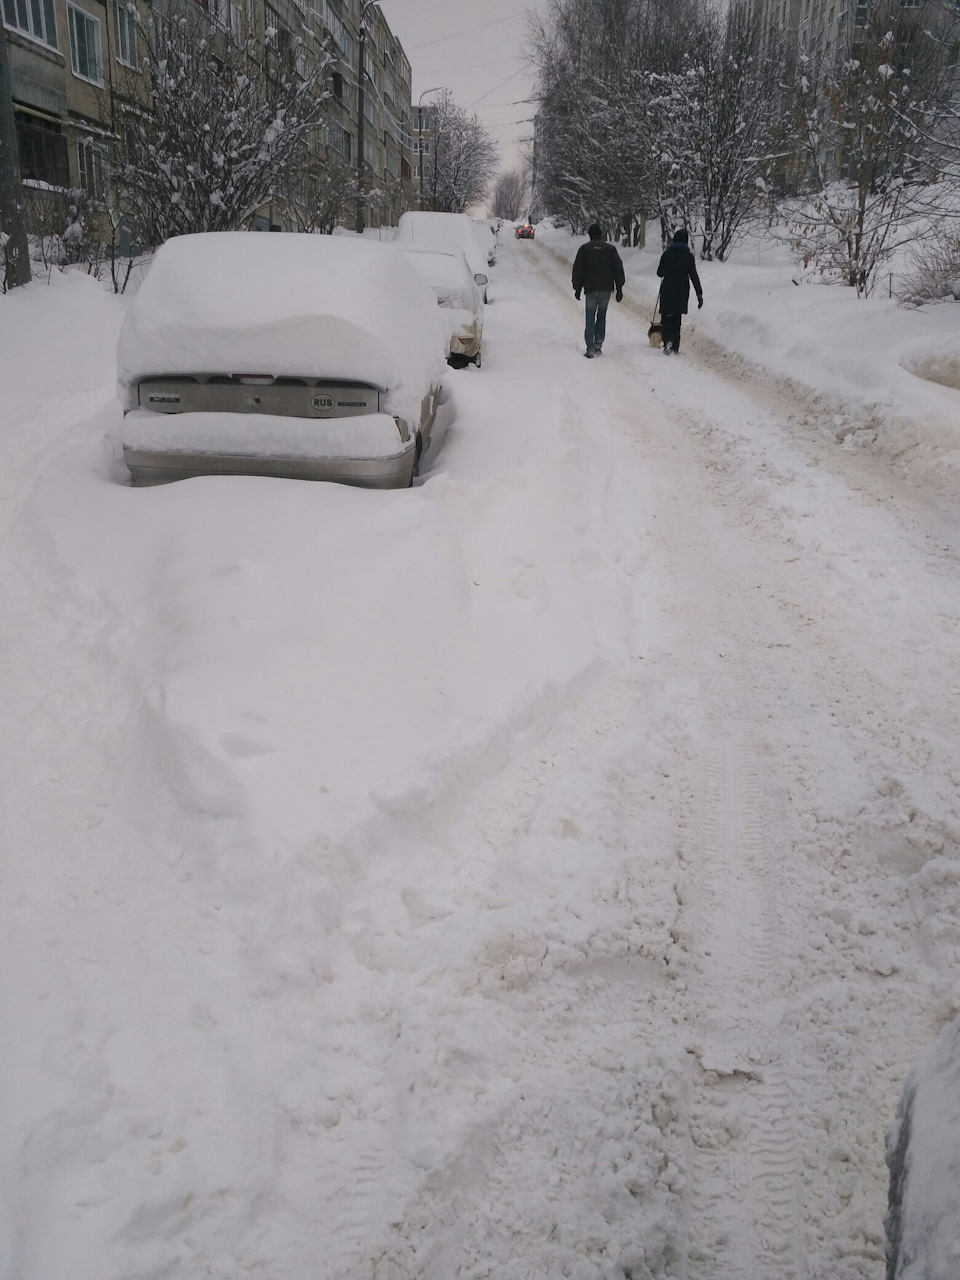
[447, 228]
[310, 357]
[444, 268]
[525, 231]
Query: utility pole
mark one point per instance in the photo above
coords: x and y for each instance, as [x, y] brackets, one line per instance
[17, 254]
[361, 107]
[435, 89]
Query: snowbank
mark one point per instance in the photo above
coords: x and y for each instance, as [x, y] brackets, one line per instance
[289, 305]
[923, 1152]
[372, 435]
[871, 367]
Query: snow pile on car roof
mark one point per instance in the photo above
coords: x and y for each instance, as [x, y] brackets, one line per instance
[288, 305]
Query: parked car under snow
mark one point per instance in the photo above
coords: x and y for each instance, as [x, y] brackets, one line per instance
[428, 227]
[444, 268]
[923, 1155]
[310, 357]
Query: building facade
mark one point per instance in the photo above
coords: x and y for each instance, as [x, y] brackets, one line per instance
[74, 66]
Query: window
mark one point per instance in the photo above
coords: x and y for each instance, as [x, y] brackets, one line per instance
[421, 147]
[92, 160]
[862, 13]
[42, 149]
[226, 15]
[340, 139]
[126, 23]
[338, 86]
[84, 45]
[345, 41]
[33, 17]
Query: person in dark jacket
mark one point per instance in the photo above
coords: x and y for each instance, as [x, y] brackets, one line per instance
[678, 269]
[597, 271]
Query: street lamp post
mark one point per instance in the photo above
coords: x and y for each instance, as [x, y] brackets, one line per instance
[361, 106]
[435, 89]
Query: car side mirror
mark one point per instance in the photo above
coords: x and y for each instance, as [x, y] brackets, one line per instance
[480, 279]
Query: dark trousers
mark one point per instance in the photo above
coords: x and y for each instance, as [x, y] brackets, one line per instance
[671, 330]
[596, 330]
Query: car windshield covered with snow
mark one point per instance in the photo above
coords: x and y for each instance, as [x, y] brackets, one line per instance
[444, 268]
[314, 357]
[445, 229]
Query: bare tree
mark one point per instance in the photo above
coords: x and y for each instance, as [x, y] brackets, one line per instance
[510, 195]
[736, 106]
[227, 123]
[318, 191]
[463, 160]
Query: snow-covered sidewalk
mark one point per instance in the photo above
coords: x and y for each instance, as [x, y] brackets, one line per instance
[549, 871]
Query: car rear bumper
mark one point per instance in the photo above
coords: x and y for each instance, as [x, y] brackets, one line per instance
[467, 341]
[373, 450]
[156, 466]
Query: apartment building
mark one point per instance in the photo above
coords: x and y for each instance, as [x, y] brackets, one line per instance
[74, 65]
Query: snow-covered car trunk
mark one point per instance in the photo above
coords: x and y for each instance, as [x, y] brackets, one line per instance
[923, 1153]
[295, 355]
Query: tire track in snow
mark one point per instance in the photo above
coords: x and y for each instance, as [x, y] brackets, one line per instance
[744, 1212]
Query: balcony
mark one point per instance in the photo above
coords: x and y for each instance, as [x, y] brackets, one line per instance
[37, 77]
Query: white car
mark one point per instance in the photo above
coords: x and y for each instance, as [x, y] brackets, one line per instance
[445, 270]
[311, 357]
[447, 228]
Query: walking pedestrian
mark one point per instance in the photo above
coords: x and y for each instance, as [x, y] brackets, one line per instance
[678, 269]
[597, 272]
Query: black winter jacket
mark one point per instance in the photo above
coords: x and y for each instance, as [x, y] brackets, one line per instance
[678, 267]
[597, 268]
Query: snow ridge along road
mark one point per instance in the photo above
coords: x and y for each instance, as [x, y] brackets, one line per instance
[550, 871]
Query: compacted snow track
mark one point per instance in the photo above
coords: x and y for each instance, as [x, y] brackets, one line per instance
[559, 884]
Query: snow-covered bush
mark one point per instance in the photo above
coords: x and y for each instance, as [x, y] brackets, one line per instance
[866, 139]
[228, 125]
[933, 274]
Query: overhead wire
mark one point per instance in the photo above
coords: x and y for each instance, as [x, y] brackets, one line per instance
[496, 87]
[467, 31]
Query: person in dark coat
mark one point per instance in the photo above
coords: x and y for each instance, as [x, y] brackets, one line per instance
[678, 269]
[597, 271]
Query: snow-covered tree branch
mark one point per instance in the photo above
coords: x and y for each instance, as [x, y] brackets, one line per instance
[227, 127]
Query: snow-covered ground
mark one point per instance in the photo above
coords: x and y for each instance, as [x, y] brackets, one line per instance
[549, 871]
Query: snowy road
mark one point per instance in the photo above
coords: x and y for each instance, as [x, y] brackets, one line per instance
[552, 871]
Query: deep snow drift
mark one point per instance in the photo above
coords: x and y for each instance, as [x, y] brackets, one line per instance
[549, 871]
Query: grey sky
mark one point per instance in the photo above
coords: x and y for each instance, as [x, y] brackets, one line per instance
[474, 48]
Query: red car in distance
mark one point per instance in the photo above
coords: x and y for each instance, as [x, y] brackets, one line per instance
[525, 231]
